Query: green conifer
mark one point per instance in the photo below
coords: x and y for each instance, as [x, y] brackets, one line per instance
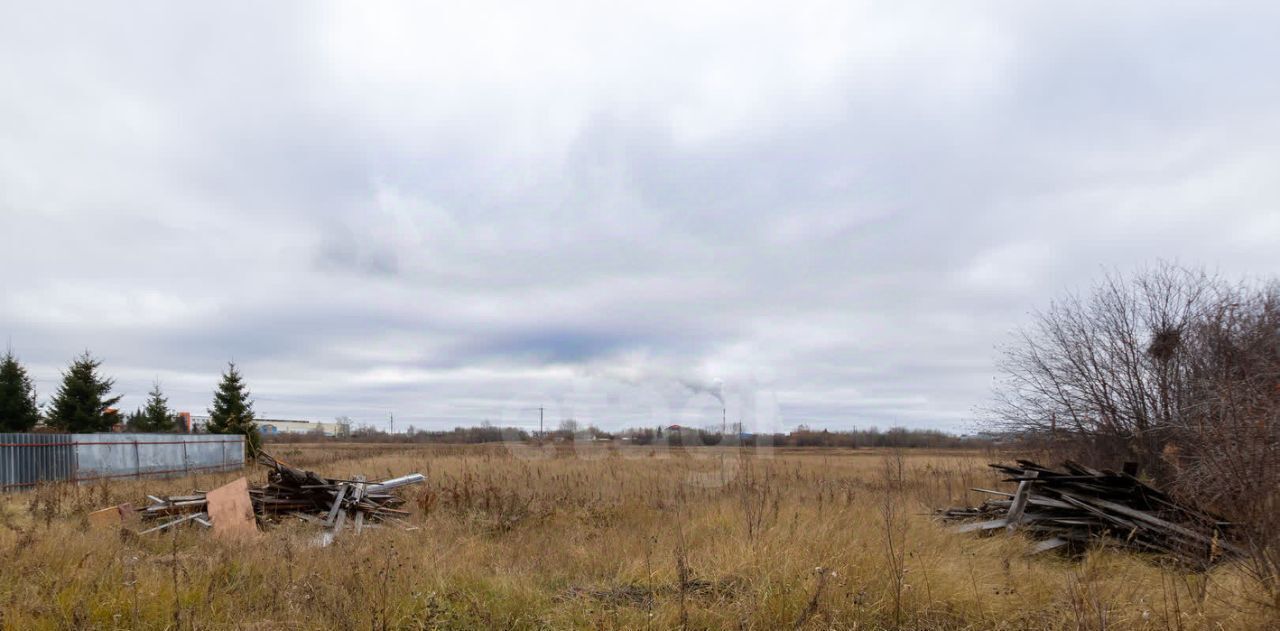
[155, 415]
[232, 411]
[18, 409]
[82, 403]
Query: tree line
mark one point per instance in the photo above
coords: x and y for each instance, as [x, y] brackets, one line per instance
[570, 431]
[84, 403]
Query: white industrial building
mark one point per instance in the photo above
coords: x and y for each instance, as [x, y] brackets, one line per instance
[285, 426]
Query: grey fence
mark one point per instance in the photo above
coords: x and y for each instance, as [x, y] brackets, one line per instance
[27, 459]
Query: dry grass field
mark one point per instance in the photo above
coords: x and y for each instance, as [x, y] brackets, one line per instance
[632, 538]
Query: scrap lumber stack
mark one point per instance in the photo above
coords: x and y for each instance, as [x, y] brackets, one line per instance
[1077, 506]
[332, 503]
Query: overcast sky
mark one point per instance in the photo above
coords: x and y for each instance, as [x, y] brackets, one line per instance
[458, 211]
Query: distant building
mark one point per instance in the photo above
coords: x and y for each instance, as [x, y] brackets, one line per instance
[198, 422]
[267, 426]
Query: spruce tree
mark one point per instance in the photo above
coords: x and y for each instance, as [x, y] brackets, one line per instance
[155, 415]
[18, 409]
[134, 421]
[82, 401]
[232, 411]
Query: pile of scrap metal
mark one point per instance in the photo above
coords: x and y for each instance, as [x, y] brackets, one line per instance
[1077, 507]
[289, 492]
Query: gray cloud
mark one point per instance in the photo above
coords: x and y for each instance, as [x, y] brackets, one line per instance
[462, 212]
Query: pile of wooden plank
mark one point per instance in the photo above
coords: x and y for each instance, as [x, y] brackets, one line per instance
[332, 503]
[1077, 507]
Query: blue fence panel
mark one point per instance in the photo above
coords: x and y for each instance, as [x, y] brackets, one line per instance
[123, 455]
[214, 451]
[28, 459]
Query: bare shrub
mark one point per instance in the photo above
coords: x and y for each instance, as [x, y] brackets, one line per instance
[1172, 368]
[1225, 450]
[758, 498]
[893, 521]
[1106, 375]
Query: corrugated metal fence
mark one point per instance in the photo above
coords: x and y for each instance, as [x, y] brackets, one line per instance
[26, 459]
[29, 458]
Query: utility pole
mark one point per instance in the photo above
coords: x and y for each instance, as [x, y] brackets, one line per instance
[718, 393]
[393, 421]
[540, 411]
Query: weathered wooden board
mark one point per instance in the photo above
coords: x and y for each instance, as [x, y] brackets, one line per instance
[984, 525]
[231, 511]
[1048, 544]
[113, 516]
[105, 518]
